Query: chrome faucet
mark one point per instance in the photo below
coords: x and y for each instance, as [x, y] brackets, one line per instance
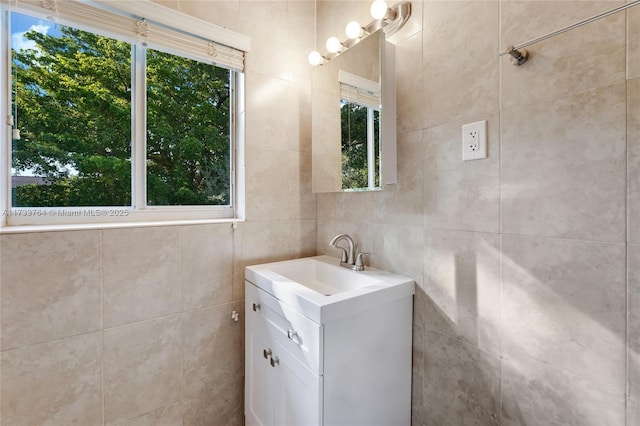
[348, 259]
[345, 258]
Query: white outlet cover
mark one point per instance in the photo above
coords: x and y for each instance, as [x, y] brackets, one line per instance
[474, 141]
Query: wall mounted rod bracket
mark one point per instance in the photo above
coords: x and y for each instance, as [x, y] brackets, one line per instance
[517, 57]
[519, 49]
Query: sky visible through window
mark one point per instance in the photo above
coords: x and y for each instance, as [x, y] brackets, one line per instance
[21, 24]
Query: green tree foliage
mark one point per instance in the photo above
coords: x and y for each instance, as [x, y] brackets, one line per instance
[353, 121]
[188, 121]
[74, 111]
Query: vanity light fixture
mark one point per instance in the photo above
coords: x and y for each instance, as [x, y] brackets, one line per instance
[379, 9]
[354, 30]
[389, 19]
[315, 58]
[333, 45]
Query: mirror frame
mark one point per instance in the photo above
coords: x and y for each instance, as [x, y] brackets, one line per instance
[324, 180]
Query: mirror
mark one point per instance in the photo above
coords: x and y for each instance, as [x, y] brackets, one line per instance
[353, 119]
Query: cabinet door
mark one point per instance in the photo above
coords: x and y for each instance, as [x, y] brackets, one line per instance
[259, 377]
[297, 398]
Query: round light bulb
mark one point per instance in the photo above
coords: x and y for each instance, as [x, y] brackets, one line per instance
[353, 30]
[315, 58]
[333, 45]
[379, 9]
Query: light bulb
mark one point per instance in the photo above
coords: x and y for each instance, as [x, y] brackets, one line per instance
[315, 58]
[379, 9]
[333, 45]
[353, 30]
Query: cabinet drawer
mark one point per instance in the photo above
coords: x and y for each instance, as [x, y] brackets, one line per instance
[295, 332]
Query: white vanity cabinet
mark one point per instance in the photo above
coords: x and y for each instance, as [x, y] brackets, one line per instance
[343, 367]
[279, 388]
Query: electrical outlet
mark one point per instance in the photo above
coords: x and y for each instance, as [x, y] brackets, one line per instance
[474, 141]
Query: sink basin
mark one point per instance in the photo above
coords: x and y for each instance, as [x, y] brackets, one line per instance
[322, 275]
[323, 290]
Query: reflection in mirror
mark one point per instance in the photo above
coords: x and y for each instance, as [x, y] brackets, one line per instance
[353, 119]
[360, 132]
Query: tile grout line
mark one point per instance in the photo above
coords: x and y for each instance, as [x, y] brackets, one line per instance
[181, 318]
[423, 146]
[500, 235]
[1, 238]
[500, 328]
[470, 117]
[626, 229]
[549, 237]
[602, 87]
[502, 356]
[148, 320]
[102, 323]
[627, 352]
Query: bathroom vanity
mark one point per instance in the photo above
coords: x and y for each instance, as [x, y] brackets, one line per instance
[326, 345]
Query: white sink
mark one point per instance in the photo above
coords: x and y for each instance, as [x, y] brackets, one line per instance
[322, 275]
[323, 290]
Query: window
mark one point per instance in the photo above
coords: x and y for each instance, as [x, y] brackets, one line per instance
[110, 126]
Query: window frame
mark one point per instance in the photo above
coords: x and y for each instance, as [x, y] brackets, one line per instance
[138, 212]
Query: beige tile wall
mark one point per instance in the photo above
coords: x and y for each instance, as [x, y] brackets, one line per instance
[133, 326]
[57, 382]
[519, 259]
[522, 260]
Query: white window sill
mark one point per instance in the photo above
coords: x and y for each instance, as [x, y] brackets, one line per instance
[23, 229]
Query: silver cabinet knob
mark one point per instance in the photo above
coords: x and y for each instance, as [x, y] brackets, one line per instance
[274, 361]
[266, 353]
[291, 334]
[256, 306]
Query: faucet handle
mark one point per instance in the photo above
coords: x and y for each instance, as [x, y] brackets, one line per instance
[343, 255]
[359, 266]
